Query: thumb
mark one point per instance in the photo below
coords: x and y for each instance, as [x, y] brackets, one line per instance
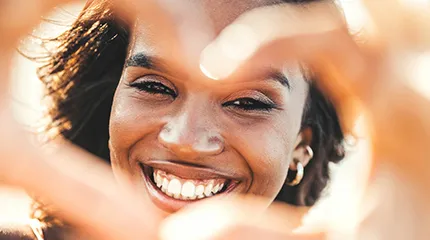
[241, 218]
[257, 28]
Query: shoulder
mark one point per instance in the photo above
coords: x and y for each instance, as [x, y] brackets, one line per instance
[15, 222]
[15, 231]
[34, 232]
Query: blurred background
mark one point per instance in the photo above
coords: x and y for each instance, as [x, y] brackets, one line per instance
[342, 195]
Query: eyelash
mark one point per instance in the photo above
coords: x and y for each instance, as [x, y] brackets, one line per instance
[153, 87]
[245, 103]
[250, 104]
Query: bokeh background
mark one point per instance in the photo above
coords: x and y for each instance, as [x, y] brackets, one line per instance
[339, 204]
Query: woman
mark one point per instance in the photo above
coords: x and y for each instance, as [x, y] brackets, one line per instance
[159, 108]
[135, 96]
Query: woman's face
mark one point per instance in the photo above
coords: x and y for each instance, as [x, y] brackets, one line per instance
[180, 136]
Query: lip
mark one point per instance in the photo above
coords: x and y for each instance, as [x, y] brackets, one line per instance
[185, 171]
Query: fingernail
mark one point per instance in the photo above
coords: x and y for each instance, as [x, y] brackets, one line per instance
[222, 57]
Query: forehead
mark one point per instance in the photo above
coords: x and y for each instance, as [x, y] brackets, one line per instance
[217, 13]
[187, 26]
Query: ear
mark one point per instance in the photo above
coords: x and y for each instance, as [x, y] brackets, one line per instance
[302, 153]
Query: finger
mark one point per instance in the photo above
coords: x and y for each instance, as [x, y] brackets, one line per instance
[257, 40]
[19, 16]
[242, 218]
[332, 57]
[95, 192]
[405, 28]
[115, 213]
[83, 193]
[240, 40]
[319, 39]
[240, 232]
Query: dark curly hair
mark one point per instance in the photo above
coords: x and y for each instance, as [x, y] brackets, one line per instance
[82, 72]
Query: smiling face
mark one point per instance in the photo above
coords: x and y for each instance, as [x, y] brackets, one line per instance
[180, 136]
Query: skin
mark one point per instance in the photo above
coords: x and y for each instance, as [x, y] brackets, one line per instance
[37, 173]
[196, 125]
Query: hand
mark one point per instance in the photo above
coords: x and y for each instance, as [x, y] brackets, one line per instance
[237, 218]
[115, 213]
[354, 74]
[348, 71]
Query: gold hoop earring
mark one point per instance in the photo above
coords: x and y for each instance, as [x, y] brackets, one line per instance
[299, 175]
[310, 152]
[301, 169]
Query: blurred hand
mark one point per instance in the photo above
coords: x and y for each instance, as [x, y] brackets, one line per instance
[356, 74]
[359, 70]
[115, 213]
[237, 218]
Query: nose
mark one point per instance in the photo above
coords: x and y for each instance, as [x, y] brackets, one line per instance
[190, 136]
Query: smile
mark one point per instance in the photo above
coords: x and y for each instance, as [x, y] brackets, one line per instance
[187, 189]
[172, 186]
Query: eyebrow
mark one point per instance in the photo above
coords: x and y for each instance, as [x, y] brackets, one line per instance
[149, 62]
[280, 77]
[144, 61]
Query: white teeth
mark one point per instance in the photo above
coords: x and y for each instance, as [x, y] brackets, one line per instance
[158, 180]
[199, 190]
[215, 189]
[188, 190]
[208, 189]
[165, 184]
[174, 187]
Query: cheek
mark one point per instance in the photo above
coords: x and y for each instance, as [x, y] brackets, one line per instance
[268, 147]
[267, 150]
[129, 122]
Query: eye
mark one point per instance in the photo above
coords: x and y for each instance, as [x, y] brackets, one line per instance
[153, 87]
[250, 104]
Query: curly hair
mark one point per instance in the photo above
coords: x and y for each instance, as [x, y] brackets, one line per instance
[82, 73]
